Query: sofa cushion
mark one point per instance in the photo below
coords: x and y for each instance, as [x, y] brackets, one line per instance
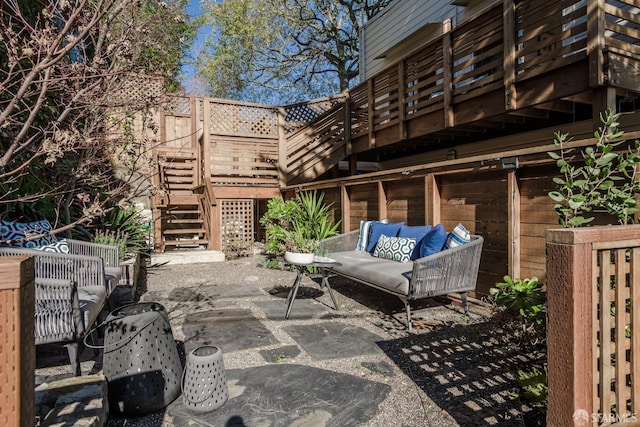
[92, 300]
[394, 248]
[417, 232]
[386, 274]
[434, 241]
[10, 230]
[378, 229]
[365, 232]
[458, 237]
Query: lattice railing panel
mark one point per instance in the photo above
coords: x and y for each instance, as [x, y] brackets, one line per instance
[236, 223]
[298, 116]
[178, 105]
[616, 343]
[234, 119]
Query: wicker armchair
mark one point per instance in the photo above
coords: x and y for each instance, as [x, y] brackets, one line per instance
[65, 313]
[108, 253]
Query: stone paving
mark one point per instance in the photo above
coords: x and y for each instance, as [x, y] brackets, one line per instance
[321, 367]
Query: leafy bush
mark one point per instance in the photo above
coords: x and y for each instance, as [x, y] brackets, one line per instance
[297, 224]
[123, 228]
[523, 296]
[604, 179]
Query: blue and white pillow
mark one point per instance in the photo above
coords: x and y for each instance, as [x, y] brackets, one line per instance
[59, 247]
[458, 237]
[12, 231]
[394, 248]
[365, 233]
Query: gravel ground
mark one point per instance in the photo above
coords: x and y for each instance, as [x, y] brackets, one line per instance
[451, 370]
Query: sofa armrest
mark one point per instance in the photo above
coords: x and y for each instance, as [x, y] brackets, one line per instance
[340, 243]
[108, 253]
[448, 271]
[57, 311]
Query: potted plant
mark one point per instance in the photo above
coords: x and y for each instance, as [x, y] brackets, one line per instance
[298, 248]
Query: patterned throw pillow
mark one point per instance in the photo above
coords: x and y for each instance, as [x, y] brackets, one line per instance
[60, 247]
[394, 248]
[458, 237]
[19, 230]
[365, 232]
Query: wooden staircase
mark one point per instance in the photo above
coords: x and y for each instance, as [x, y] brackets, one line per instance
[181, 214]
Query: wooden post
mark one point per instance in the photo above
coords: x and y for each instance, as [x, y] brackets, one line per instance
[282, 149]
[569, 326]
[347, 125]
[345, 205]
[206, 139]
[382, 201]
[513, 188]
[595, 42]
[18, 350]
[431, 200]
[194, 140]
[402, 89]
[371, 112]
[447, 74]
[509, 55]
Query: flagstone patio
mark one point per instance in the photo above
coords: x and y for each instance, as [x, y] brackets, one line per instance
[322, 367]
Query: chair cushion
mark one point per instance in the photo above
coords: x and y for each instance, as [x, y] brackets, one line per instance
[417, 232]
[92, 300]
[384, 273]
[458, 237]
[378, 229]
[395, 248]
[10, 230]
[434, 241]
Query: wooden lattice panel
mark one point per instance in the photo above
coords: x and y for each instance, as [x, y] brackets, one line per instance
[137, 89]
[178, 105]
[236, 222]
[616, 344]
[235, 119]
[299, 115]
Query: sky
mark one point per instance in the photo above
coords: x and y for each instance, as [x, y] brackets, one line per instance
[193, 10]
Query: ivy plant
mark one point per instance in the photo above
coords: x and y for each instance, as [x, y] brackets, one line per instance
[603, 177]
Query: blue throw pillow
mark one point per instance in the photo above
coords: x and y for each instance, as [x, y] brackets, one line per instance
[458, 237]
[11, 231]
[378, 229]
[417, 232]
[434, 241]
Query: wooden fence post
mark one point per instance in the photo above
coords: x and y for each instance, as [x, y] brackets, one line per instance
[569, 328]
[18, 350]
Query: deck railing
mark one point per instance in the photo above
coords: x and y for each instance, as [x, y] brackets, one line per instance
[593, 293]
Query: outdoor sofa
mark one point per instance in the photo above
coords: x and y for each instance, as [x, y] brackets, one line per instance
[72, 284]
[443, 271]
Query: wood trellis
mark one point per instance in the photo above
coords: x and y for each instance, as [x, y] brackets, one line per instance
[237, 218]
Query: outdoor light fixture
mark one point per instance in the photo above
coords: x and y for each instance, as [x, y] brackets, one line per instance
[627, 105]
[510, 163]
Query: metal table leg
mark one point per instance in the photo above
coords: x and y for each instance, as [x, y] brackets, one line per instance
[325, 283]
[293, 291]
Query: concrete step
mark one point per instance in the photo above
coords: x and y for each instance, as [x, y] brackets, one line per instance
[73, 402]
[187, 256]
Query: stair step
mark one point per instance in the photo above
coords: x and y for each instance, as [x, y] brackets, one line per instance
[184, 221]
[190, 243]
[183, 211]
[184, 231]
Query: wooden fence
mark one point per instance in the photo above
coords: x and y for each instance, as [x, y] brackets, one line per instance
[593, 293]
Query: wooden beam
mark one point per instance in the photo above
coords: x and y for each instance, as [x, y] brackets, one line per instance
[347, 125]
[431, 199]
[382, 201]
[604, 98]
[513, 189]
[345, 205]
[194, 139]
[447, 74]
[206, 140]
[241, 192]
[509, 58]
[595, 42]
